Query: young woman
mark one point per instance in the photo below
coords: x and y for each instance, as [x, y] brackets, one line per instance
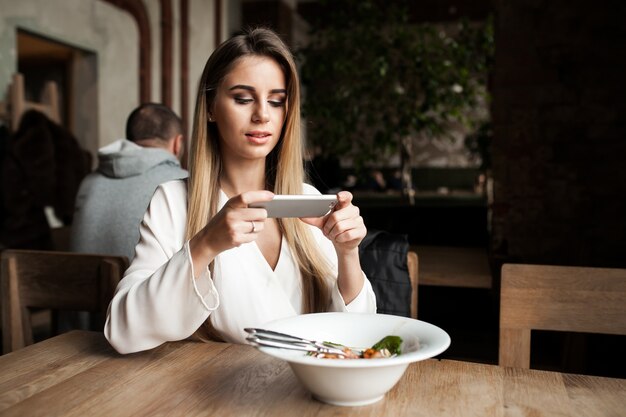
[206, 263]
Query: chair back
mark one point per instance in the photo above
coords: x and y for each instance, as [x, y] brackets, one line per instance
[557, 298]
[412, 264]
[53, 280]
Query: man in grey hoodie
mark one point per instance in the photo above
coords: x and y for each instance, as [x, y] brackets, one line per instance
[112, 200]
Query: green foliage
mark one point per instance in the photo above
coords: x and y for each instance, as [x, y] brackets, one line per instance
[391, 343]
[373, 78]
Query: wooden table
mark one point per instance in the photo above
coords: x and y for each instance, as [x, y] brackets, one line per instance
[78, 374]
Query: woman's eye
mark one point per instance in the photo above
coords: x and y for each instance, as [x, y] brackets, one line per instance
[242, 100]
[277, 103]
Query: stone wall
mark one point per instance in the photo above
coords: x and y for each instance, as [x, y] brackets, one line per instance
[109, 38]
[559, 111]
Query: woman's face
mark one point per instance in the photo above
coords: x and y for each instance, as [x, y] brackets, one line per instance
[250, 108]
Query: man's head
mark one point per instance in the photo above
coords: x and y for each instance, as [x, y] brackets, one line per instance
[155, 125]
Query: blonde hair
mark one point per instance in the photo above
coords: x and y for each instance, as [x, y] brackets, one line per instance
[284, 172]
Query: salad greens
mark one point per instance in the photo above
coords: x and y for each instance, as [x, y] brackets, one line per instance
[387, 347]
[391, 343]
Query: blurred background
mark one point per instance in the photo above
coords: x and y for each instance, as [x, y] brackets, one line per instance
[486, 131]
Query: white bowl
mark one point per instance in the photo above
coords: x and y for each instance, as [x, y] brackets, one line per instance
[354, 382]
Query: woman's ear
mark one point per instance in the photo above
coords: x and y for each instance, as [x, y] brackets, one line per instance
[210, 113]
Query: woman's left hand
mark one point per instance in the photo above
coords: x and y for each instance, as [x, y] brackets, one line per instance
[343, 226]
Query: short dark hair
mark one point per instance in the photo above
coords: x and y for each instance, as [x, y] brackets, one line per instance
[153, 121]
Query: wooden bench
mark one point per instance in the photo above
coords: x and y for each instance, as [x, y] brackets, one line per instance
[466, 267]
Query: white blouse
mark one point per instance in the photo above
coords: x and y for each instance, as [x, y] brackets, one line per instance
[158, 300]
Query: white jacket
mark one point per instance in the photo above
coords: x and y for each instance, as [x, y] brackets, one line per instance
[159, 300]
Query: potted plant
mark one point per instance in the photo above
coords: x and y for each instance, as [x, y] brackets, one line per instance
[375, 81]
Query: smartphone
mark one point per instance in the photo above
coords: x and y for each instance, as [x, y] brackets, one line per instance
[306, 205]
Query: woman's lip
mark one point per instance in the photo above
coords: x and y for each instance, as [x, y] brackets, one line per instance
[258, 138]
[258, 133]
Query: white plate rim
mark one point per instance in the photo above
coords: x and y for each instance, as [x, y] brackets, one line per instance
[434, 340]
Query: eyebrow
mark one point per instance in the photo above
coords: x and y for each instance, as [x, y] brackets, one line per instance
[250, 88]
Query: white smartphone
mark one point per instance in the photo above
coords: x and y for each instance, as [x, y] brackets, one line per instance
[305, 205]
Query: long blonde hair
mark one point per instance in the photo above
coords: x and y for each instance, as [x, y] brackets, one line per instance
[284, 172]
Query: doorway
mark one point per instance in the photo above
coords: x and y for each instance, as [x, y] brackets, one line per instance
[74, 70]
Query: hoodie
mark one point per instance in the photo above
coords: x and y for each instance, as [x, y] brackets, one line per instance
[112, 200]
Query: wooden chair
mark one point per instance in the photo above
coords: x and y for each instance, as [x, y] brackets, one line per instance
[53, 280]
[412, 264]
[557, 298]
[48, 105]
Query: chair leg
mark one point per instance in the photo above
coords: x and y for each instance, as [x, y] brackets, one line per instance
[514, 348]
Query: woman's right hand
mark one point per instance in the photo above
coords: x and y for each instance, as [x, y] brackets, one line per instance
[233, 225]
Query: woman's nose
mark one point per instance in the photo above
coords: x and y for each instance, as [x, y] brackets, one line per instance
[261, 113]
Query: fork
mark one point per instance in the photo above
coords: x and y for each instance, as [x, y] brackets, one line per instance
[270, 338]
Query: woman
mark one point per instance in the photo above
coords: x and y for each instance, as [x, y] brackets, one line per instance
[208, 264]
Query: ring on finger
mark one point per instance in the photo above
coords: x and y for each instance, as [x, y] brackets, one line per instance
[253, 227]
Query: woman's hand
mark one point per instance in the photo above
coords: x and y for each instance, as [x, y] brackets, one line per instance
[343, 226]
[234, 225]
